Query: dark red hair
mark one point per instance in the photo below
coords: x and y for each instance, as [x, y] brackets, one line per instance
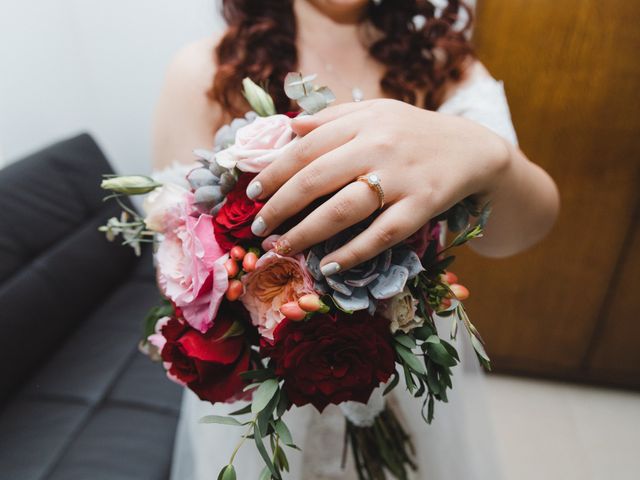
[260, 43]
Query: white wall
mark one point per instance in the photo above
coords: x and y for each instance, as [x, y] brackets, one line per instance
[90, 65]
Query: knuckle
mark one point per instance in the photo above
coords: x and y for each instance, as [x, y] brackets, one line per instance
[340, 210]
[300, 151]
[308, 180]
[385, 236]
[384, 142]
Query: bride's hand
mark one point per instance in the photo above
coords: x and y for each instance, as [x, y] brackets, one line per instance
[426, 162]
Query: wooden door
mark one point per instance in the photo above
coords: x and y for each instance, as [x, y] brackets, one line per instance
[568, 307]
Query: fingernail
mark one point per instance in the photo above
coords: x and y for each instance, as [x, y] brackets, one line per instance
[282, 246]
[330, 269]
[258, 227]
[254, 190]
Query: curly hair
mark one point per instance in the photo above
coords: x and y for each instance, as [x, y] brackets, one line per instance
[260, 43]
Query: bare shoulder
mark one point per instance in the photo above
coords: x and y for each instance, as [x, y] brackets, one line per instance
[185, 117]
[473, 70]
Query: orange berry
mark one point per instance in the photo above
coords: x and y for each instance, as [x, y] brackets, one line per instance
[292, 311]
[232, 267]
[445, 303]
[249, 262]
[234, 290]
[450, 277]
[310, 302]
[460, 291]
[237, 253]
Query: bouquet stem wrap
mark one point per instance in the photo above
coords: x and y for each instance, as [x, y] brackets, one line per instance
[378, 440]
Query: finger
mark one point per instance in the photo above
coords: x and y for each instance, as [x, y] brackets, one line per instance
[394, 225]
[325, 175]
[348, 207]
[297, 155]
[304, 124]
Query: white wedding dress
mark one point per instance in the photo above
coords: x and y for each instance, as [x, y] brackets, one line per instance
[458, 445]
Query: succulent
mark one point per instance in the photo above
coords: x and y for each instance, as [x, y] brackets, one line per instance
[226, 135]
[210, 183]
[359, 288]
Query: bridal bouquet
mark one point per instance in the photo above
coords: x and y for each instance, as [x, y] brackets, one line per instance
[243, 321]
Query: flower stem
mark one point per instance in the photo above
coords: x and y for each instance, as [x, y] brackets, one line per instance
[242, 440]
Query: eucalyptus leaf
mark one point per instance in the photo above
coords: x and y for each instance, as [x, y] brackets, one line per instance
[258, 375]
[227, 473]
[257, 437]
[395, 379]
[479, 348]
[283, 432]
[265, 474]
[242, 411]
[220, 420]
[263, 395]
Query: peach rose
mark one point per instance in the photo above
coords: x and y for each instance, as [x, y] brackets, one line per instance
[257, 144]
[276, 281]
[162, 206]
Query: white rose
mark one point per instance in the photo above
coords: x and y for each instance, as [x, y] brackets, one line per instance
[401, 312]
[159, 203]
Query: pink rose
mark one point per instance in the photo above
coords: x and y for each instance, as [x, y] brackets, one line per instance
[275, 281]
[162, 206]
[256, 144]
[191, 269]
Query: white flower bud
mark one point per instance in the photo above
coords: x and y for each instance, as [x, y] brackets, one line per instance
[130, 185]
[260, 101]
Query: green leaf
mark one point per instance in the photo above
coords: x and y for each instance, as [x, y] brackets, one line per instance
[405, 340]
[422, 333]
[258, 375]
[481, 352]
[257, 437]
[433, 339]
[263, 395]
[451, 350]
[438, 353]
[283, 403]
[394, 382]
[155, 314]
[281, 459]
[283, 432]
[227, 473]
[265, 474]
[220, 420]
[408, 378]
[266, 415]
[243, 411]
[410, 359]
[235, 330]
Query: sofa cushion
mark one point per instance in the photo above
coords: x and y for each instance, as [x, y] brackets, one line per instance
[55, 266]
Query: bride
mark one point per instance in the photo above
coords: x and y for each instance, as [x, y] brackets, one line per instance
[415, 107]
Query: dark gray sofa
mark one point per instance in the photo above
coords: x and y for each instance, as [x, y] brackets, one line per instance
[77, 400]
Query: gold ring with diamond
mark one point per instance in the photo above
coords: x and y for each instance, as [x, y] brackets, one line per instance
[373, 181]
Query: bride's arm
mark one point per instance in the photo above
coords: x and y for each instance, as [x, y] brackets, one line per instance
[185, 118]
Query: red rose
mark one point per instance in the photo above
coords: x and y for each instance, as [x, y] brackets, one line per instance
[206, 363]
[233, 221]
[329, 360]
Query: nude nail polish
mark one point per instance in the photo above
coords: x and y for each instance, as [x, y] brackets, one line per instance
[259, 226]
[254, 190]
[330, 269]
[282, 246]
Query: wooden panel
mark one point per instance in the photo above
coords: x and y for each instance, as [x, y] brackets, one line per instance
[571, 73]
[615, 354]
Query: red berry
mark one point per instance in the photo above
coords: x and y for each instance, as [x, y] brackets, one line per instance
[450, 277]
[292, 311]
[235, 290]
[310, 302]
[232, 267]
[237, 253]
[460, 291]
[249, 262]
